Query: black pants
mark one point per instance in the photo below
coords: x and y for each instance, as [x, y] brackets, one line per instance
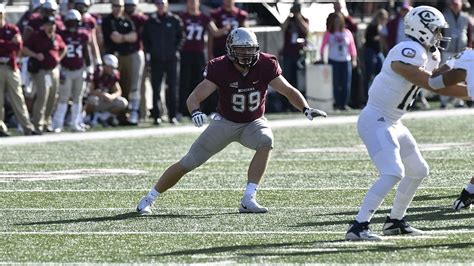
[191, 74]
[158, 68]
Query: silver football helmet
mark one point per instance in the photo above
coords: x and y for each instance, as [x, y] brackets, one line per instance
[242, 47]
[425, 24]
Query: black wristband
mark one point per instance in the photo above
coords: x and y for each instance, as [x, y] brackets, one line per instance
[196, 110]
[304, 109]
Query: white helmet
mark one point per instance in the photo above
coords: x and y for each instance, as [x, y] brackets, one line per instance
[73, 14]
[36, 4]
[110, 60]
[243, 38]
[131, 2]
[85, 2]
[424, 24]
[50, 4]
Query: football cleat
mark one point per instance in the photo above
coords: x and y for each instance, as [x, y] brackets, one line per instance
[464, 201]
[399, 227]
[250, 205]
[144, 206]
[361, 232]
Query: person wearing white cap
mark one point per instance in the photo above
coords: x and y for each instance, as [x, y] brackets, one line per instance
[105, 98]
[10, 46]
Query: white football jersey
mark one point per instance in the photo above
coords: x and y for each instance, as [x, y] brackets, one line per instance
[391, 94]
[465, 60]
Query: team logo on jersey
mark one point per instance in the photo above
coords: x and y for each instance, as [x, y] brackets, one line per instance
[427, 16]
[409, 52]
[234, 85]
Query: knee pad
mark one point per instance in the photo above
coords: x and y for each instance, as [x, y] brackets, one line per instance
[388, 163]
[416, 166]
[266, 140]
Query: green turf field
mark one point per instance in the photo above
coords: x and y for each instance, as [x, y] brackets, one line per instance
[314, 185]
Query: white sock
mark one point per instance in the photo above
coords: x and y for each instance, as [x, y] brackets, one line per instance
[375, 197]
[470, 188]
[153, 194]
[250, 190]
[405, 193]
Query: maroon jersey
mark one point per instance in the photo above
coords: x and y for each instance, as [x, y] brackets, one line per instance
[242, 98]
[139, 20]
[292, 46]
[36, 21]
[8, 48]
[105, 82]
[39, 42]
[236, 18]
[195, 27]
[75, 42]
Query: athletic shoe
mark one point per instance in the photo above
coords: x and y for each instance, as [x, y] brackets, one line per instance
[361, 232]
[144, 206]
[399, 227]
[250, 205]
[464, 201]
[133, 118]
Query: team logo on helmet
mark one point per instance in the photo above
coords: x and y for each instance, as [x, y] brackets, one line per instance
[427, 16]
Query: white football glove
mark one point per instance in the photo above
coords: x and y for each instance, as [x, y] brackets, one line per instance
[199, 118]
[310, 113]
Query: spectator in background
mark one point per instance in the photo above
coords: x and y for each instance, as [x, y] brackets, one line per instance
[295, 29]
[394, 30]
[196, 25]
[460, 31]
[357, 85]
[45, 49]
[10, 46]
[162, 39]
[120, 37]
[340, 7]
[342, 55]
[135, 61]
[374, 47]
[105, 98]
[227, 17]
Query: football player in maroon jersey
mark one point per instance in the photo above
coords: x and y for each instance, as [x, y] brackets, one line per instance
[48, 9]
[241, 79]
[196, 25]
[89, 23]
[72, 73]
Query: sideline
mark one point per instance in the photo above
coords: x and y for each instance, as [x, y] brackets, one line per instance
[157, 131]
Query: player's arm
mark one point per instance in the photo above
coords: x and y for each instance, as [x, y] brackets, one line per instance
[216, 32]
[282, 86]
[117, 91]
[95, 47]
[420, 78]
[199, 94]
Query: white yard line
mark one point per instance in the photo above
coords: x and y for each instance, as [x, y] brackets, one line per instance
[157, 131]
[427, 233]
[196, 189]
[161, 210]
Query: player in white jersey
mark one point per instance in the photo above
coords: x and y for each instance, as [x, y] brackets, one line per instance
[458, 69]
[390, 144]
